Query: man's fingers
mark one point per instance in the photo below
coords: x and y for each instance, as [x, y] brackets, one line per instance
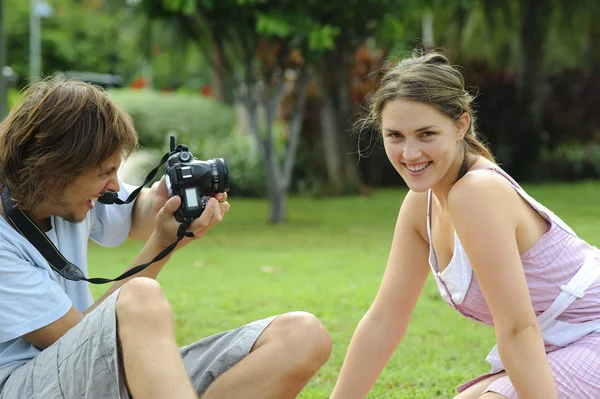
[224, 207]
[221, 197]
[170, 206]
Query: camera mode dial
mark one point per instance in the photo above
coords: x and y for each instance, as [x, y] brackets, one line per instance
[185, 156]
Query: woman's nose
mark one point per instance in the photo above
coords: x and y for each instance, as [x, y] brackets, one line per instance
[411, 153]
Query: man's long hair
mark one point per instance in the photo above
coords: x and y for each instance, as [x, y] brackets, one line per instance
[58, 130]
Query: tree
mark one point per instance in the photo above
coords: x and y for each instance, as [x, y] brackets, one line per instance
[255, 49]
[83, 36]
[534, 38]
[3, 82]
[352, 25]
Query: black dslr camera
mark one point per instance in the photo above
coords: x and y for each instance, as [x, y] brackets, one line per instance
[195, 181]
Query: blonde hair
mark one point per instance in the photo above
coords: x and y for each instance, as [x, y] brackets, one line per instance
[431, 79]
[61, 128]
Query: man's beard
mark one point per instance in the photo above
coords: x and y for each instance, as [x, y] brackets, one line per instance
[66, 213]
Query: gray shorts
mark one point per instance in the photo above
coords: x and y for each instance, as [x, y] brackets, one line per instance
[84, 363]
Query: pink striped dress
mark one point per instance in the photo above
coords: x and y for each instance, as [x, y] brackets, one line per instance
[562, 274]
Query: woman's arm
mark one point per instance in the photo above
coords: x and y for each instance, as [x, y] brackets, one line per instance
[384, 324]
[486, 213]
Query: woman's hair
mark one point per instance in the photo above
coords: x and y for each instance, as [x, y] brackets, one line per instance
[59, 129]
[430, 79]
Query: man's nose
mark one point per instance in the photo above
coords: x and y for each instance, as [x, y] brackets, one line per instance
[113, 184]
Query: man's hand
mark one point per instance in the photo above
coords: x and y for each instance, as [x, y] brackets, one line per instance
[167, 225]
[160, 195]
[146, 206]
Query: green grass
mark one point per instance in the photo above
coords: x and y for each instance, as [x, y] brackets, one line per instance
[329, 261]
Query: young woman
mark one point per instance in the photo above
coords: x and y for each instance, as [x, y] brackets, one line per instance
[497, 255]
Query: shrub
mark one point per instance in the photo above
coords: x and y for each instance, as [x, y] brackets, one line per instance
[192, 117]
[571, 162]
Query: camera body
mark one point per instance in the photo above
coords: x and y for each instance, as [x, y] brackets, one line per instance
[194, 180]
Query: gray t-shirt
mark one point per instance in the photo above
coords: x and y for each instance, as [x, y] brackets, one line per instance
[32, 295]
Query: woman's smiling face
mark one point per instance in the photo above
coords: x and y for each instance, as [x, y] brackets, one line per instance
[422, 143]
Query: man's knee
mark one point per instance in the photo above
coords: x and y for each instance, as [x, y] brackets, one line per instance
[306, 339]
[142, 299]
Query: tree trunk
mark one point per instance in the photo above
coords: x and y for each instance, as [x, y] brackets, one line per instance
[331, 149]
[594, 51]
[278, 204]
[278, 175]
[534, 29]
[339, 146]
[219, 66]
[349, 143]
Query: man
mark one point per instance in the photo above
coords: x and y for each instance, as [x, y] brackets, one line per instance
[60, 150]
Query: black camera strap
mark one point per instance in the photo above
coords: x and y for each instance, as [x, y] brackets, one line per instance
[112, 198]
[28, 229]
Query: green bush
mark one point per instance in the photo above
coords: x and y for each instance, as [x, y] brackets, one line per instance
[157, 114]
[245, 168]
[571, 162]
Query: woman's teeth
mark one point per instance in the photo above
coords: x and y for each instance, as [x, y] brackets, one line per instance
[418, 167]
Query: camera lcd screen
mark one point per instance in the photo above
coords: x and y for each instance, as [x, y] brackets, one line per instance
[191, 198]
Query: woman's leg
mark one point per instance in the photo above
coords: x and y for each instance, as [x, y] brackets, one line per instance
[476, 390]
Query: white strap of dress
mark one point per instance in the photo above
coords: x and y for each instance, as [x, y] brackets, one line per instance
[581, 281]
[429, 215]
[576, 288]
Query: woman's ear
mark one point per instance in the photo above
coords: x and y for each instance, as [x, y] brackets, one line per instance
[462, 125]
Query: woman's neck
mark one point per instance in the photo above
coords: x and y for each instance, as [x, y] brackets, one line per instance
[460, 165]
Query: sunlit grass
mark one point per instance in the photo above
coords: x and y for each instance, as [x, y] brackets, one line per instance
[329, 260]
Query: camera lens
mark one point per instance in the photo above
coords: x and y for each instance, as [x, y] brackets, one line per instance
[223, 173]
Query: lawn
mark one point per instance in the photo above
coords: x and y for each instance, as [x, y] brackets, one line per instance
[328, 260]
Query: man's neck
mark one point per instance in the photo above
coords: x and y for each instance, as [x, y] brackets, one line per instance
[40, 218]
[43, 223]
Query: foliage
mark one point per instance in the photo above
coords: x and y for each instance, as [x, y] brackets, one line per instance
[330, 262]
[193, 118]
[247, 176]
[571, 99]
[77, 36]
[570, 162]
[569, 121]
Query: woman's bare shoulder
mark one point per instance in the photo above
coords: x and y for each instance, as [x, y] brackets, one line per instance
[414, 208]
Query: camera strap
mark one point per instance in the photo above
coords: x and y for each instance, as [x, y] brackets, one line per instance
[28, 229]
[112, 198]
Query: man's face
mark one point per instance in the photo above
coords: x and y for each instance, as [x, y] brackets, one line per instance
[80, 197]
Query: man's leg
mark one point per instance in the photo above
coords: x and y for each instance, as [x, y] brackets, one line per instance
[152, 365]
[282, 360]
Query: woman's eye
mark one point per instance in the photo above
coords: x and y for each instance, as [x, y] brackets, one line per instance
[428, 134]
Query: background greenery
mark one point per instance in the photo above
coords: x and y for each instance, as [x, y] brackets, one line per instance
[534, 66]
[329, 261]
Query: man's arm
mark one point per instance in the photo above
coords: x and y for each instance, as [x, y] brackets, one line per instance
[143, 216]
[145, 208]
[159, 240]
